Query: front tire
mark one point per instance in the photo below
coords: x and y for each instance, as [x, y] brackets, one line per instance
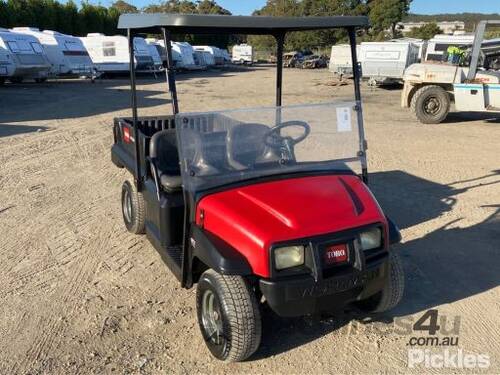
[431, 104]
[228, 316]
[393, 290]
[133, 208]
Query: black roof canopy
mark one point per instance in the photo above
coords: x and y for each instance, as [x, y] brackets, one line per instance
[214, 24]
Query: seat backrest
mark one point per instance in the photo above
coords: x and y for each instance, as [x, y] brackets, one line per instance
[246, 147]
[163, 148]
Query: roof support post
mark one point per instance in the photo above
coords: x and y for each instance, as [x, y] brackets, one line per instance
[133, 91]
[170, 74]
[280, 42]
[358, 108]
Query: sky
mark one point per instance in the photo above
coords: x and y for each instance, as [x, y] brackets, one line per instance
[245, 7]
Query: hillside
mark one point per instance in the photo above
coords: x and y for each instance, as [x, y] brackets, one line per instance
[470, 19]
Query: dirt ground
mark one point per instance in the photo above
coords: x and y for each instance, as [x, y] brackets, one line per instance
[81, 295]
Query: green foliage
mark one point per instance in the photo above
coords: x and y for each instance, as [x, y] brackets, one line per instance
[63, 17]
[385, 14]
[199, 7]
[304, 8]
[426, 31]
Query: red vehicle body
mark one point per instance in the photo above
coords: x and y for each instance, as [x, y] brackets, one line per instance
[252, 218]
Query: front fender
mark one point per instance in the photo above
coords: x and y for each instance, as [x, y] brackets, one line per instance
[217, 254]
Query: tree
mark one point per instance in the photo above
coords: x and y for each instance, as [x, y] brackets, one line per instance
[426, 31]
[123, 7]
[385, 14]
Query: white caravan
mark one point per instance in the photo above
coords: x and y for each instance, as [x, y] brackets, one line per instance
[341, 59]
[155, 52]
[183, 55]
[242, 54]
[199, 59]
[218, 57]
[437, 46]
[67, 54]
[110, 54]
[25, 57]
[385, 62]
[7, 65]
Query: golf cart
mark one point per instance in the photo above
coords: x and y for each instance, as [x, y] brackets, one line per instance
[266, 205]
[429, 87]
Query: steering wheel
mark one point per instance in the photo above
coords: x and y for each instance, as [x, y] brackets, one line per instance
[286, 144]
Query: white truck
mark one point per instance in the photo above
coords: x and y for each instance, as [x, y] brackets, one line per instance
[242, 54]
[430, 87]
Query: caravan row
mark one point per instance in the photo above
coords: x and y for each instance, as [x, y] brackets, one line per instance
[29, 53]
[385, 62]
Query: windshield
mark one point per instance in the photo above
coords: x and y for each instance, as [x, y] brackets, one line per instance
[221, 148]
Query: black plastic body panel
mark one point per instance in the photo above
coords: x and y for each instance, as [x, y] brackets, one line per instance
[302, 295]
[394, 233]
[217, 254]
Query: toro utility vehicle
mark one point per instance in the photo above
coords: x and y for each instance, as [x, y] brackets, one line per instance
[266, 205]
[430, 87]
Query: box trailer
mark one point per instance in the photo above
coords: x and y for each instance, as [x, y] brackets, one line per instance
[66, 54]
[385, 62]
[25, 57]
[340, 59]
[242, 54]
[110, 54]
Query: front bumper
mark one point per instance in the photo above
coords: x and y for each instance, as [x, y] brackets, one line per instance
[302, 295]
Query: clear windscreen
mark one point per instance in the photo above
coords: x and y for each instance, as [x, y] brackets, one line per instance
[221, 148]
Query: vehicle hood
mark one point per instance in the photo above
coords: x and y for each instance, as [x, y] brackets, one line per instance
[253, 217]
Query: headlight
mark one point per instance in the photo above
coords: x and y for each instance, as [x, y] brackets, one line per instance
[289, 256]
[371, 239]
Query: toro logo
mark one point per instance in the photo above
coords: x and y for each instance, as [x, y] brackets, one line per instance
[336, 254]
[126, 135]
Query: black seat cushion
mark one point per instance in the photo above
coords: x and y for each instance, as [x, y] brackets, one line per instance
[171, 184]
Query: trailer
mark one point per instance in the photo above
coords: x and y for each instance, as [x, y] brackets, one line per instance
[26, 57]
[7, 65]
[341, 60]
[437, 47]
[156, 55]
[66, 54]
[242, 54]
[110, 54]
[420, 43]
[218, 56]
[385, 62]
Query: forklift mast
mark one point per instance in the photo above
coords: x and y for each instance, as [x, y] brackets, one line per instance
[476, 47]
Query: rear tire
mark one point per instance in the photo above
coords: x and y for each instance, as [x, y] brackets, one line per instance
[228, 316]
[393, 290]
[431, 104]
[133, 208]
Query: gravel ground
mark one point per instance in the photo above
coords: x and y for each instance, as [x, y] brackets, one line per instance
[80, 295]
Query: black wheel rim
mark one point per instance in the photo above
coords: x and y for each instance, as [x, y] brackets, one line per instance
[127, 206]
[432, 106]
[212, 323]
